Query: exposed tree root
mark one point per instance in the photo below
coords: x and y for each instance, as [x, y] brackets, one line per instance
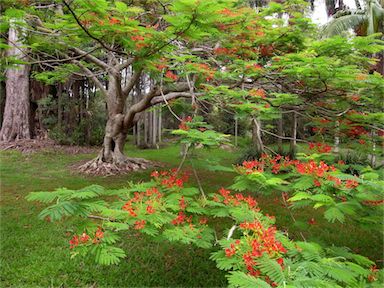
[97, 167]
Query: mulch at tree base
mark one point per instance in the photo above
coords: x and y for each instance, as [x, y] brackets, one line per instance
[38, 145]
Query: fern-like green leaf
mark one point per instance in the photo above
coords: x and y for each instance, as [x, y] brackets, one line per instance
[272, 269]
[108, 255]
[241, 280]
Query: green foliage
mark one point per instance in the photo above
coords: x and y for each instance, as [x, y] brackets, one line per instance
[165, 209]
[198, 132]
[240, 279]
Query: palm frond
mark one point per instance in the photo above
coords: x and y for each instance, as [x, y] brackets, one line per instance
[342, 24]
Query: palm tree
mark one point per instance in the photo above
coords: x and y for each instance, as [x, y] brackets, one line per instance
[364, 21]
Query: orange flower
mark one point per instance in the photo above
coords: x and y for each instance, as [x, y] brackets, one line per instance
[361, 77]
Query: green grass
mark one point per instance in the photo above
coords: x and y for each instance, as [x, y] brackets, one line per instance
[35, 253]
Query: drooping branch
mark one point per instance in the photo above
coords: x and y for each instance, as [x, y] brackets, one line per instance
[152, 98]
[170, 96]
[91, 58]
[92, 76]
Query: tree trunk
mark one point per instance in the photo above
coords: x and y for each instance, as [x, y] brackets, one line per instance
[16, 119]
[337, 137]
[280, 133]
[293, 143]
[256, 137]
[111, 159]
[159, 122]
[236, 130]
[59, 94]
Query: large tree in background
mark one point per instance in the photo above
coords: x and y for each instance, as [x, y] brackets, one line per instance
[16, 119]
[116, 45]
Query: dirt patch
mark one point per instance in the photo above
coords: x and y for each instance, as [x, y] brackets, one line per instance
[38, 145]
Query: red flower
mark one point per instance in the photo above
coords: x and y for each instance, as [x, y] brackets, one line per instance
[139, 224]
[258, 93]
[281, 262]
[150, 209]
[179, 219]
[224, 192]
[350, 184]
[155, 174]
[317, 183]
[74, 242]
[170, 75]
[84, 238]
[312, 221]
[203, 220]
[114, 21]
[182, 204]
[99, 233]
[229, 252]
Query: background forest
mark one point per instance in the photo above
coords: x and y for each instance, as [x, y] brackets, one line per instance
[177, 128]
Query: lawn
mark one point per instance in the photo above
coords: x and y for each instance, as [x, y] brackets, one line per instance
[35, 253]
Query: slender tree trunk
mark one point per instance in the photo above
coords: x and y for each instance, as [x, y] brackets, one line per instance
[59, 94]
[16, 119]
[293, 143]
[280, 133]
[146, 128]
[154, 128]
[337, 137]
[160, 120]
[236, 130]
[256, 136]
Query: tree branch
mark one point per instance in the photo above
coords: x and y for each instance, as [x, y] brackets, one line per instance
[88, 33]
[91, 58]
[92, 76]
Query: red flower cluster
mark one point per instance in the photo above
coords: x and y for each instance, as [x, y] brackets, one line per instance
[74, 242]
[181, 219]
[150, 209]
[170, 178]
[351, 184]
[320, 171]
[356, 131]
[182, 204]
[229, 252]
[254, 67]
[235, 200]
[205, 70]
[140, 224]
[373, 202]
[320, 147]
[84, 238]
[253, 166]
[183, 125]
[312, 168]
[258, 93]
[150, 195]
[262, 240]
[170, 75]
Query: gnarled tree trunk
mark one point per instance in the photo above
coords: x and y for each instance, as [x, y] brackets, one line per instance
[111, 159]
[16, 119]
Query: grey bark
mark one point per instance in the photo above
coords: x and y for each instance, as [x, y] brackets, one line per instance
[293, 143]
[16, 118]
[256, 136]
[280, 133]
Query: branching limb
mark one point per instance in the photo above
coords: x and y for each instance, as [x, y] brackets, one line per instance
[92, 76]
